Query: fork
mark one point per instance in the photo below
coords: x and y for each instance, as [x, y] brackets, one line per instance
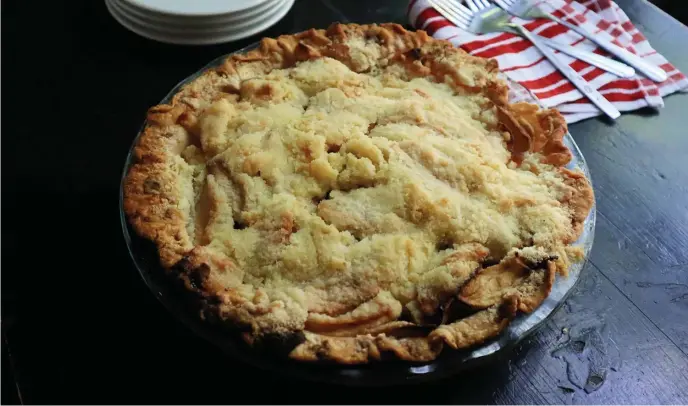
[525, 9]
[619, 69]
[483, 18]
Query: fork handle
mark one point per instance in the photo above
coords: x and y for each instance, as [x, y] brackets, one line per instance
[577, 80]
[651, 71]
[617, 68]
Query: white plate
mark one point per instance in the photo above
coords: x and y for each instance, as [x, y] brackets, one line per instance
[199, 28]
[187, 33]
[133, 9]
[196, 7]
[163, 34]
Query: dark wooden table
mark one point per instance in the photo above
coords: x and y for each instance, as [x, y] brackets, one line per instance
[80, 326]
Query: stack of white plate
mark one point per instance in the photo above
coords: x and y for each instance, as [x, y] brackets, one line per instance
[198, 22]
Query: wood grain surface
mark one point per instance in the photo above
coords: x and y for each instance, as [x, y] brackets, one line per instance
[80, 326]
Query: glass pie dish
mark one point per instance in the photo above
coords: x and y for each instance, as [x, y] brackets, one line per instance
[144, 255]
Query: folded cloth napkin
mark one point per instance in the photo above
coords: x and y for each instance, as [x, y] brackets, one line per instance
[523, 63]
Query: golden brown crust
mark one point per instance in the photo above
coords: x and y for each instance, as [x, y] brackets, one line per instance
[579, 197]
[477, 328]
[192, 191]
[530, 281]
[535, 130]
[151, 201]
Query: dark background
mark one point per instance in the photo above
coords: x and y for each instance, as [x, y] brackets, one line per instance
[676, 9]
[80, 326]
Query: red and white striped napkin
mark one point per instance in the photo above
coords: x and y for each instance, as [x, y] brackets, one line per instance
[523, 63]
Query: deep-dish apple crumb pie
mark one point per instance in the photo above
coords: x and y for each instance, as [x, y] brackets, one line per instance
[358, 193]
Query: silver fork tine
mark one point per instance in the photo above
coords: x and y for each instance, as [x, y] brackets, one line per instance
[450, 15]
[459, 9]
[472, 6]
[465, 11]
[509, 2]
[461, 12]
[502, 3]
[476, 3]
[485, 3]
